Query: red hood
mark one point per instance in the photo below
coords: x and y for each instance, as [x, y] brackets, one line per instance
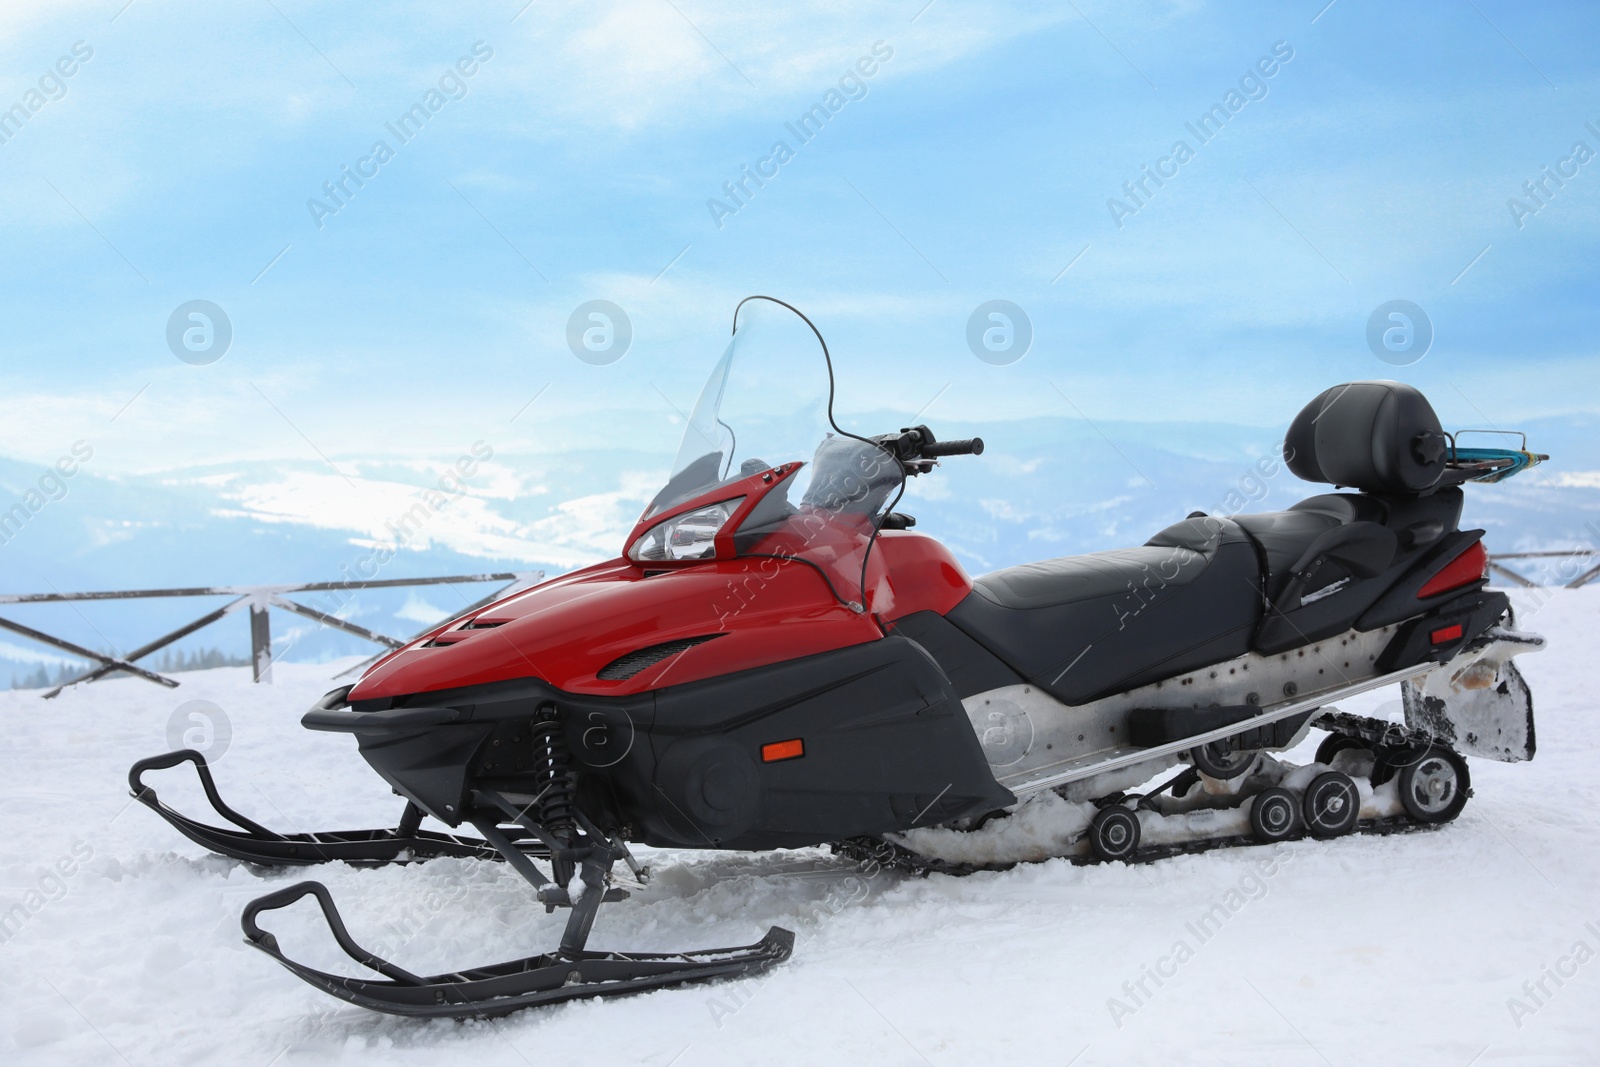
[566, 630]
[762, 609]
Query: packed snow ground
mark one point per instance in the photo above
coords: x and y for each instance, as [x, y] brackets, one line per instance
[1413, 948]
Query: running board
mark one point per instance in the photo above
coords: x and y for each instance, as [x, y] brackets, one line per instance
[484, 992]
[254, 843]
[1087, 767]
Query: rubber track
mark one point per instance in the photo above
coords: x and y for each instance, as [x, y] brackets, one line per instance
[899, 858]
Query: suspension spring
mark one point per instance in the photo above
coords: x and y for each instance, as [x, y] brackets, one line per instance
[552, 774]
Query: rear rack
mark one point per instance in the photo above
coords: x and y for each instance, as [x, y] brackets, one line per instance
[1489, 464]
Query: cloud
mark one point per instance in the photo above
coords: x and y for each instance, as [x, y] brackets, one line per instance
[646, 65]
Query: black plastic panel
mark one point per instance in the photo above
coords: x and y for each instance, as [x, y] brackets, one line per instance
[1413, 642]
[970, 667]
[1400, 601]
[887, 747]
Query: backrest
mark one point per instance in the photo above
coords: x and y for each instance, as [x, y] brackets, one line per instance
[1378, 437]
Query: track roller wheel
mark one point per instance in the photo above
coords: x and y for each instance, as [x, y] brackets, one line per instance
[1274, 814]
[1220, 760]
[1332, 805]
[1114, 833]
[1334, 744]
[1435, 788]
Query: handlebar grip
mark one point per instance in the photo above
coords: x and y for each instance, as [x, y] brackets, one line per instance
[971, 447]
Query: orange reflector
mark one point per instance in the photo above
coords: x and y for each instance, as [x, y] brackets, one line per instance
[782, 750]
[1446, 635]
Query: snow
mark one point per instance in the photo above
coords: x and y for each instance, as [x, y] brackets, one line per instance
[1409, 948]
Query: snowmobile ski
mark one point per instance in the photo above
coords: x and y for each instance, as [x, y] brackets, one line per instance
[256, 844]
[485, 992]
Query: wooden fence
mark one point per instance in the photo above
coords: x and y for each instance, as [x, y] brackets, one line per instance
[256, 599]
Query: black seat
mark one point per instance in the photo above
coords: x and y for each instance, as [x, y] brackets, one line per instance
[1084, 626]
[1383, 439]
[1057, 582]
[1284, 536]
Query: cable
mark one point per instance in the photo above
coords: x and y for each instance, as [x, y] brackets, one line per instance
[866, 556]
[826, 357]
[877, 528]
[809, 563]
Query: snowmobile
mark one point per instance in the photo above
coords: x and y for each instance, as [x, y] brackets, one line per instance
[778, 660]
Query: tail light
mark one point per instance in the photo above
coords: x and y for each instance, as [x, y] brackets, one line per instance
[1470, 567]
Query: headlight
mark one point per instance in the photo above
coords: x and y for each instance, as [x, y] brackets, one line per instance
[692, 535]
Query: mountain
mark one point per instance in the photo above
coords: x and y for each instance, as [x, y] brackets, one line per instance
[1044, 487]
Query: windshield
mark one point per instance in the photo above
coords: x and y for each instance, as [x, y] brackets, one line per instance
[766, 404]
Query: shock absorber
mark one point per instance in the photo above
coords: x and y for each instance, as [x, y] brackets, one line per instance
[551, 773]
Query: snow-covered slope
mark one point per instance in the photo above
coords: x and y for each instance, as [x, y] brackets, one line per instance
[1411, 949]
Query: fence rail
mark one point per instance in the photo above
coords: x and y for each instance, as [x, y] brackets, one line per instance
[1581, 553]
[256, 599]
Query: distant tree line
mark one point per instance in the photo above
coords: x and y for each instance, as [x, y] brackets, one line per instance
[169, 662]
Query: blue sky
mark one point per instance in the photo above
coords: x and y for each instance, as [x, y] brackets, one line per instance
[975, 163]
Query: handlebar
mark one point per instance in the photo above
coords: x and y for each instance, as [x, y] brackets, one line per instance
[918, 449]
[972, 446]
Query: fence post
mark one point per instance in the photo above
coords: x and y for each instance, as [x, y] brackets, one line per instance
[260, 642]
